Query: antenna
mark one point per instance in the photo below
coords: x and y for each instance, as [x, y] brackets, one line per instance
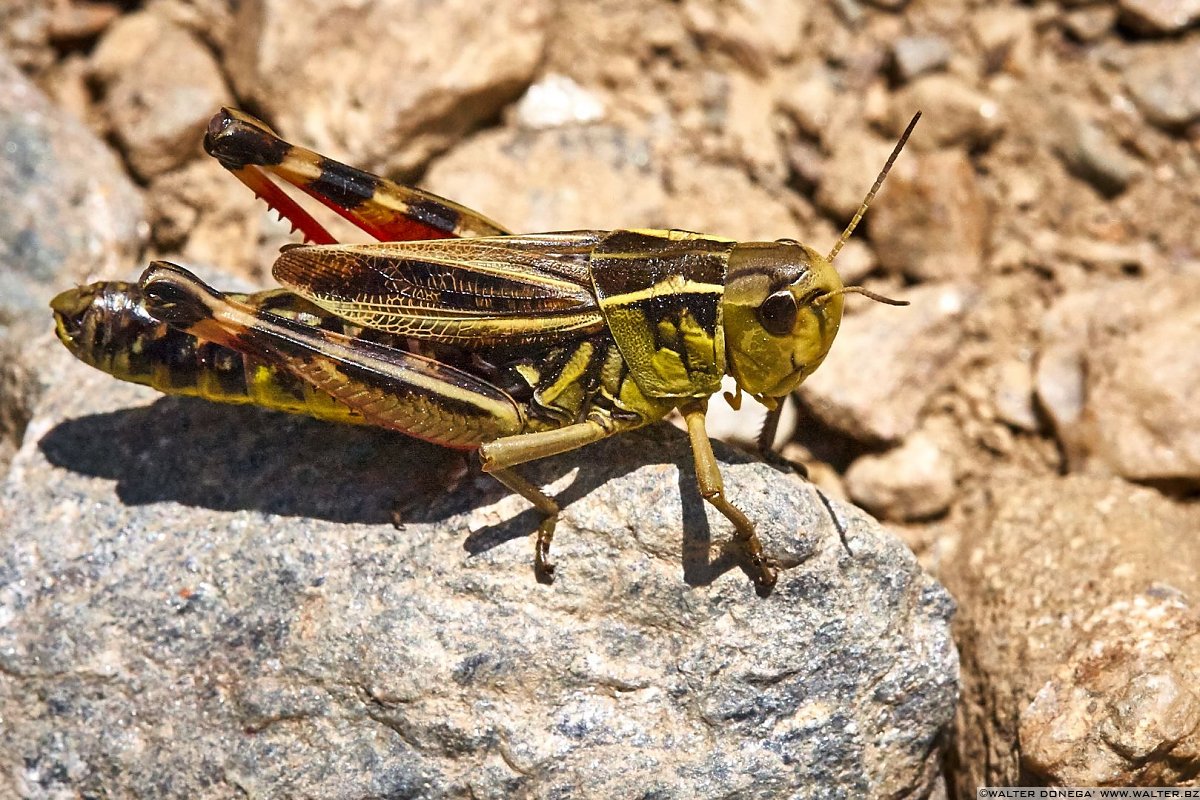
[862, 209]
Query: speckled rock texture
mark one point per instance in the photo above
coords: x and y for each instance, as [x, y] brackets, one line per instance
[209, 601]
[67, 210]
[1083, 672]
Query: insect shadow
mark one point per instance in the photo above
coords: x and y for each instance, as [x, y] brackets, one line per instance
[230, 458]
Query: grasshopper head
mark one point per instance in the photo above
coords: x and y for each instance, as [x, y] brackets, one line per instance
[783, 304]
[781, 309]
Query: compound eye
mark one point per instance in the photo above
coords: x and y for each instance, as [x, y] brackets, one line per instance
[777, 314]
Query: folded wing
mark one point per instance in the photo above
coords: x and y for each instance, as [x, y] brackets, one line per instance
[474, 293]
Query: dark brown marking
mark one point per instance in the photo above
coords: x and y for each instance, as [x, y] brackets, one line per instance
[344, 186]
[657, 258]
[435, 215]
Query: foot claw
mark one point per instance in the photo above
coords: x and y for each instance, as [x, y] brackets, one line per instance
[764, 576]
[544, 570]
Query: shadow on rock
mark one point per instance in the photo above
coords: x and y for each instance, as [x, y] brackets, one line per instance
[230, 458]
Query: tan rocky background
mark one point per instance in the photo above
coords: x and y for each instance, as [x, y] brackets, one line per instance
[1030, 424]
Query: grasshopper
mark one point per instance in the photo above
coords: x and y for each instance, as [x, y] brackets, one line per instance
[453, 330]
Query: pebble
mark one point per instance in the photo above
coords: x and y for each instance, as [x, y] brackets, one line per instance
[1091, 154]
[557, 100]
[741, 427]
[916, 55]
[853, 161]
[70, 212]
[1090, 23]
[914, 481]
[1014, 396]
[160, 86]
[1142, 417]
[1116, 384]
[1164, 83]
[422, 88]
[1156, 17]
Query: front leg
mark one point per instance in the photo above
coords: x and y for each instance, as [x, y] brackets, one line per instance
[712, 489]
[766, 442]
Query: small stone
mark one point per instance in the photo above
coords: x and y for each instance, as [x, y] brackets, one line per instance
[930, 221]
[1141, 400]
[1090, 23]
[557, 100]
[916, 55]
[209, 20]
[1164, 83]
[160, 87]
[1008, 37]
[1089, 153]
[574, 177]
[25, 34]
[1014, 395]
[70, 213]
[741, 427]
[955, 115]
[914, 481]
[422, 87]
[1060, 384]
[1116, 384]
[205, 215]
[1154, 17]
[753, 34]
[886, 363]
[72, 22]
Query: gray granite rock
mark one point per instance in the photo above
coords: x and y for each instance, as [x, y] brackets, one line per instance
[68, 209]
[208, 601]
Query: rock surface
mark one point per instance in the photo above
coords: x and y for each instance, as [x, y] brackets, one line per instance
[1083, 671]
[1116, 383]
[160, 87]
[69, 212]
[911, 482]
[219, 587]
